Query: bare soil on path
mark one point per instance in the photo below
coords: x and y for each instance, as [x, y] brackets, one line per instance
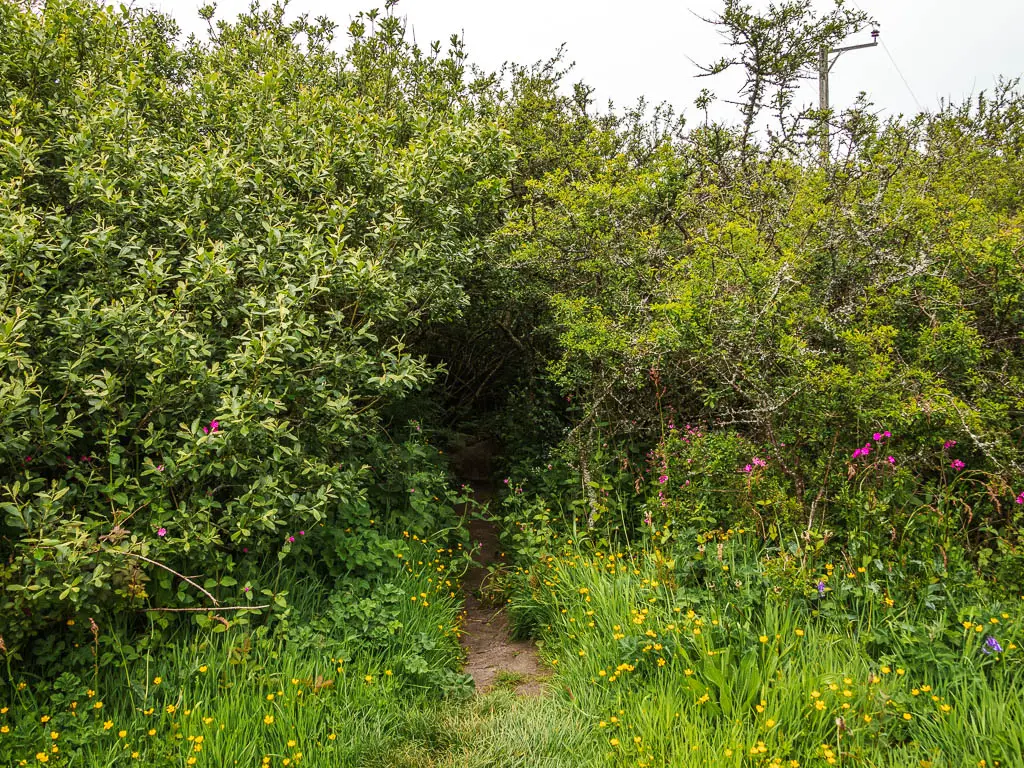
[492, 657]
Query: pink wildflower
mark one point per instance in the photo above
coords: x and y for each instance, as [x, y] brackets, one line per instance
[891, 460]
[948, 444]
[161, 531]
[957, 465]
[291, 539]
[663, 479]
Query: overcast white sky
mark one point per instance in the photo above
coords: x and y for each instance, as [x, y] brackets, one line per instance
[944, 48]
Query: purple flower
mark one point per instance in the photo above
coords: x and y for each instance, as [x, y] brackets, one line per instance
[862, 451]
[302, 533]
[663, 479]
[891, 460]
[957, 465]
[291, 539]
[760, 462]
[161, 531]
[991, 646]
[213, 428]
[1020, 499]
[747, 468]
[878, 437]
[820, 587]
[948, 444]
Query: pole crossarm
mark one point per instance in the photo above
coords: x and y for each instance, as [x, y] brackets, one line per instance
[854, 47]
[840, 51]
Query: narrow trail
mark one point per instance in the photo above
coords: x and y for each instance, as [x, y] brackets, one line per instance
[492, 657]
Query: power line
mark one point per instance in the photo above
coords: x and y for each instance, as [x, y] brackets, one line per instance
[893, 60]
[900, 73]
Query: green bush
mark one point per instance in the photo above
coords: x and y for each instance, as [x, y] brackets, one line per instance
[213, 255]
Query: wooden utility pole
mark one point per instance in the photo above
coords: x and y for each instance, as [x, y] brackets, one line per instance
[827, 58]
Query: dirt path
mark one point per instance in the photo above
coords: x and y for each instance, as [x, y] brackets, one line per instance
[492, 657]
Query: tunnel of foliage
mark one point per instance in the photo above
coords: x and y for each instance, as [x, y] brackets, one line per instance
[252, 285]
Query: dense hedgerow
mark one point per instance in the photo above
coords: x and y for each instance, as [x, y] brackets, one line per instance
[848, 328]
[212, 255]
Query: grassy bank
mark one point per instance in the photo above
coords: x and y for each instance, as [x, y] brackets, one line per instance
[349, 677]
[723, 654]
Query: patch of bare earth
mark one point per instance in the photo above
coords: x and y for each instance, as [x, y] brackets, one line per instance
[492, 656]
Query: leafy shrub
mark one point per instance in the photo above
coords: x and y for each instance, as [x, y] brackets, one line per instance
[213, 255]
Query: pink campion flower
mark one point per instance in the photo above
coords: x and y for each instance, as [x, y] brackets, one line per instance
[302, 533]
[291, 539]
[160, 468]
[760, 462]
[957, 465]
[891, 460]
[864, 451]
[878, 437]
[948, 444]
[161, 531]
[663, 479]
[1020, 499]
[747, 469]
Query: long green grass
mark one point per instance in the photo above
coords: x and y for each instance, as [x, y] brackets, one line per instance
[353, 680]
[718, 655]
